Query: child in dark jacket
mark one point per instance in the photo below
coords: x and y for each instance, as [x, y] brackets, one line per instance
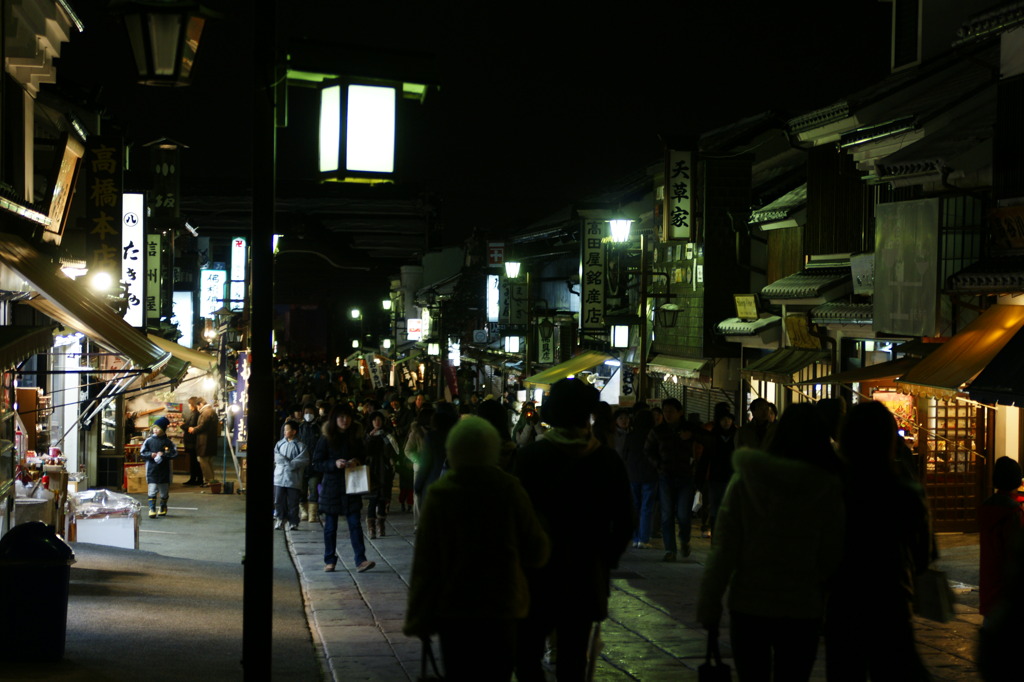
[157, 452]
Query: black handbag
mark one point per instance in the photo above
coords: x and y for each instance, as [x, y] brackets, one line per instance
[713, 670]
[428, 664]
[933, 598]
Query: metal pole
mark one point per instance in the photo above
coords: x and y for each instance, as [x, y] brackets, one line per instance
[257, 599]
[529, 328]
[642, 379]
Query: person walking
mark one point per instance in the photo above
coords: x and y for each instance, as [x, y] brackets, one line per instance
[470, 586]
[207, 429]
[308, 435]
[778, 540]
[341, 447]
[432, 455]
[1000, 519]
[671, 447]
[643, 477]
[290, 460]
[715, 465]
[869, 629]
[570, 594]
[188, 440]
[157, 452]
[382, 454]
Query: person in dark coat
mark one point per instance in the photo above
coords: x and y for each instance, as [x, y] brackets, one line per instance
[570, 594]
[715, 466]
[470, 586]
[382, 452]
[432, 457]
[340, 447]
[206, 430]
[672, 447]
[157, 452]
[869, 627]
[1000, 518]
[188, 440]
[643, 477]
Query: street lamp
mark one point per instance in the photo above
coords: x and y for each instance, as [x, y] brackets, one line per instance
[164, 37]
[512, 268]
[620, 230]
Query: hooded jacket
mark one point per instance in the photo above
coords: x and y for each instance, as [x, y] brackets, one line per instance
[290, 460]
[778, 539]
[476, 534]
[587, 540]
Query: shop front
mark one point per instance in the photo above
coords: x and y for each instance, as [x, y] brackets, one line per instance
[957, 433]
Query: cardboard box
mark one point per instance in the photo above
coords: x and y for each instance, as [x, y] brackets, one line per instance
[135, 478]
[113, 531]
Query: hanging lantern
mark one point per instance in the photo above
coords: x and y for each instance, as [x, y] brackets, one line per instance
[164, 37]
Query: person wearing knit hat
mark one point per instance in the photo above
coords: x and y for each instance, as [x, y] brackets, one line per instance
[470, 586]
[157, 452]
[1000, 518]
[570, 593]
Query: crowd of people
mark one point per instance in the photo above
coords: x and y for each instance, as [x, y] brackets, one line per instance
[508, 560]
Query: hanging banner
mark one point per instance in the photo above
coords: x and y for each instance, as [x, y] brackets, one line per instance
[103, 206]
[592, 277]
[678, 195]
[512, 303]
[376, 375]
[153, 278]
[545, 346]
[627, 396]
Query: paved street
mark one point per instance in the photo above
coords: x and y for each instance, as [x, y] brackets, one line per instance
[651, 635]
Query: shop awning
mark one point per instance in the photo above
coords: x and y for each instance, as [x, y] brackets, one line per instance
[579, 363]
[67, 302]
[18, 341]
[413, 354]
[883, 371]
[196, 358]
[1002, 382]
[781, 365]
[690, 368]
[949, 370]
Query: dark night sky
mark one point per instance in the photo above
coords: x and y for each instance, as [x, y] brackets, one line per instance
[539, 106]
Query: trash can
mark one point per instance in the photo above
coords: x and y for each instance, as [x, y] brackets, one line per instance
[35, 572]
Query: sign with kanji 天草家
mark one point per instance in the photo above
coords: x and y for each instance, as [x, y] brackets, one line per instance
[678, 194]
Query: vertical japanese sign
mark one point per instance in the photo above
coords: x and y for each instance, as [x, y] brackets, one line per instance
[154, 277]
[103, 208]
[164, 197]
[133, 208]
[241, 425]
[493, 298]
[545, 346]
[211, 292]
[592, 276]
[627, 397]
[237, 286]
[512, 302]
[376, 375]
[678, 194]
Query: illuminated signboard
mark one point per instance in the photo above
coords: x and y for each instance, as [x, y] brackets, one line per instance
[133, 242]
[238, 262]
[211, 292]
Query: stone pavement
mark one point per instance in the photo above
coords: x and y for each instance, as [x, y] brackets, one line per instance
[651, 634]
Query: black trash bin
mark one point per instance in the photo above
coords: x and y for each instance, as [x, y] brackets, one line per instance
[35, 571]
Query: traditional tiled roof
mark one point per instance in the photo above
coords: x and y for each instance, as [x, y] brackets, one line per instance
[990, 23]
[734, 326]
[811, 283]
[842, 313]
[782, 207]
[1001, 275]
